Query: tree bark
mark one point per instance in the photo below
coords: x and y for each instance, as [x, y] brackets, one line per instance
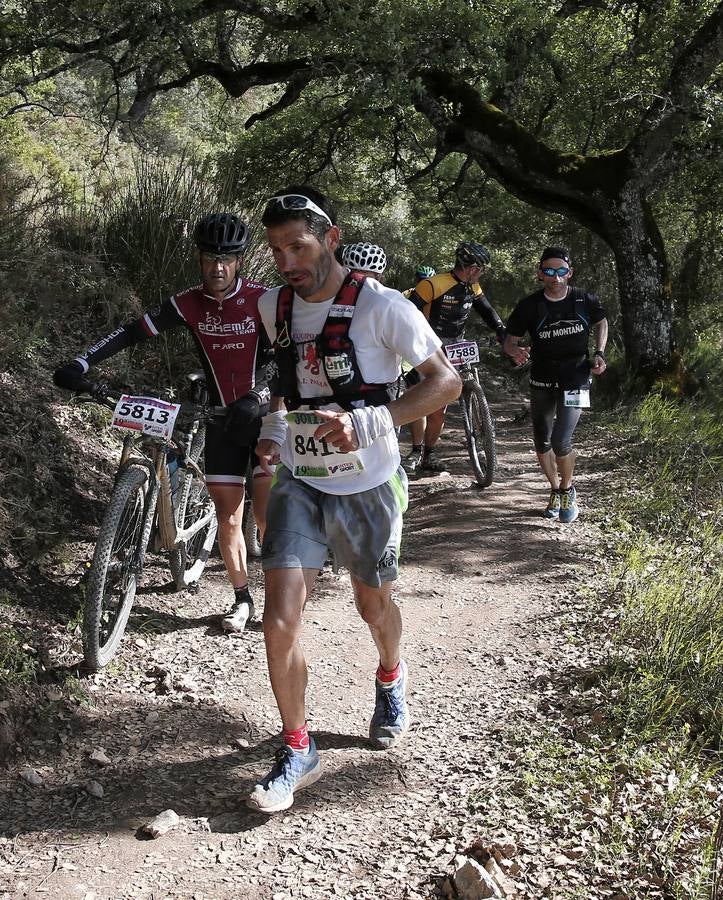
[643, 283]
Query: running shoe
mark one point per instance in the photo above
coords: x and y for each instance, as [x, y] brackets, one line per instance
[432, 463]
[552, 511]
[291, 772]
[412, 461]
[568, 505]
[390, 721]
[240, 613]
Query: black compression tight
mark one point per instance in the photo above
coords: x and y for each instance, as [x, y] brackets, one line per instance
[553, 423]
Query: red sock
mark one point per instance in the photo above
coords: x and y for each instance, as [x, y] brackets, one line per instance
[387, 677]
[298, 739]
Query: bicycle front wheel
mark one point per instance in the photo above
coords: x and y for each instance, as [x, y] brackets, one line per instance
[480, 432]
[115, 569]
[188, 561]
[252, 535]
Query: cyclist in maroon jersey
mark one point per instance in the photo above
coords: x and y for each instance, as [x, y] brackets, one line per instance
[223, 318]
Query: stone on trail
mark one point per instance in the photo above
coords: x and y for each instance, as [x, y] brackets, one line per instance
[473, 882]
[162, 823]
[30, 776]
[99, 756]
[94, 789]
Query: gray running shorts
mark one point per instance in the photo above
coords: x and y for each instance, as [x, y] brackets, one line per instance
[363, 530]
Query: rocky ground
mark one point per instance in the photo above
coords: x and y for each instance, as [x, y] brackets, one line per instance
[185, 720]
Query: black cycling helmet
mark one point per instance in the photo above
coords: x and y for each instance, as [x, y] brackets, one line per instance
[221, 233]
[470, 253]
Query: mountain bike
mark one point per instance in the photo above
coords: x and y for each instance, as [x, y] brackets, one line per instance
[479, 426]
[159, 498]
[252, 535]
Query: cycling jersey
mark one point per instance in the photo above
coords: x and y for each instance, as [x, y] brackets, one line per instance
[227, 334]
[446, 302]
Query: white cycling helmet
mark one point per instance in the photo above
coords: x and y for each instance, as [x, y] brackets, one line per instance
[366, 257]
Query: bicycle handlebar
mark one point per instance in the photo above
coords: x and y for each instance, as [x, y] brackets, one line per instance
[99, 393]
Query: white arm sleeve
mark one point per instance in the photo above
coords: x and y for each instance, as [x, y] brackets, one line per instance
[273, 427]
[371, 422]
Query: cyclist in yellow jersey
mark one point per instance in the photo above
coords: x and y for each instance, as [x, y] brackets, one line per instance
[446, 301]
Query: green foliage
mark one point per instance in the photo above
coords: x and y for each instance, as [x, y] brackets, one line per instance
[670, 544]
[642, 815]
[147, 225]
[674, 621]
[17, 664]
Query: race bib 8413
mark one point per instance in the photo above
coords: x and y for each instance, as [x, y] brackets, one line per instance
[314, 457]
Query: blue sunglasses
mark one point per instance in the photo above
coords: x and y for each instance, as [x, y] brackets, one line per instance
[562, 271]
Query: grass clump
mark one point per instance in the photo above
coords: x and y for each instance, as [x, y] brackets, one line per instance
[670, 546]
[18, 663]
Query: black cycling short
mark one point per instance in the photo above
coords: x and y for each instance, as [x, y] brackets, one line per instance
[228, 451]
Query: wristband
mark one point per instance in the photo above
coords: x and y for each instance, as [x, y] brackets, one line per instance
[600, 354]
[371, 422]
[273, 427]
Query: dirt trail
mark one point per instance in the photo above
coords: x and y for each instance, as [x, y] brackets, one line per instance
[483, 580]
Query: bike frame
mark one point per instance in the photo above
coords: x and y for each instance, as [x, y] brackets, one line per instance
[161, 513]
[468, 372]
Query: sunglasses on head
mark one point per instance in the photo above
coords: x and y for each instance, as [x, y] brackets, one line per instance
[549, 271]
[297, 202]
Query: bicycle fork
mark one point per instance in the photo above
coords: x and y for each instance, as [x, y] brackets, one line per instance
[149, 515]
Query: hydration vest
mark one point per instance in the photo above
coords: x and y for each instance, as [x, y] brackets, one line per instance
[334, 350]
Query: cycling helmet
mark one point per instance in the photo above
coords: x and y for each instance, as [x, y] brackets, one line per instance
[366, 257]
[470, 253]
[424, 272]
[221, 233]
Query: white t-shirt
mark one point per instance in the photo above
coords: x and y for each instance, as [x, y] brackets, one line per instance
[385, 328]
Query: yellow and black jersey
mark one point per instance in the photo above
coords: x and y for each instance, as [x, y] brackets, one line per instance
[446, 302]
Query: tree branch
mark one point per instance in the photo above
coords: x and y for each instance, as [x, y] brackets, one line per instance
[292, 93]
[673, 106]
[528, 168]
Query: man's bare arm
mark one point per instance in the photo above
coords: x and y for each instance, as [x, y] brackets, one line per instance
[600, 332]
[440, 385]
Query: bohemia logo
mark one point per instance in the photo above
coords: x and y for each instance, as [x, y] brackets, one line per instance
[214, 325]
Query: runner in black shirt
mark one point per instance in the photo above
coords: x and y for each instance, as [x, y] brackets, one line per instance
[559, 320]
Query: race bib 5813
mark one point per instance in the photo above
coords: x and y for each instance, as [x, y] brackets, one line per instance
[148, 415]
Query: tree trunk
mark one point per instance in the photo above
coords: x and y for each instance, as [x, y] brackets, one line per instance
[643, 284]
